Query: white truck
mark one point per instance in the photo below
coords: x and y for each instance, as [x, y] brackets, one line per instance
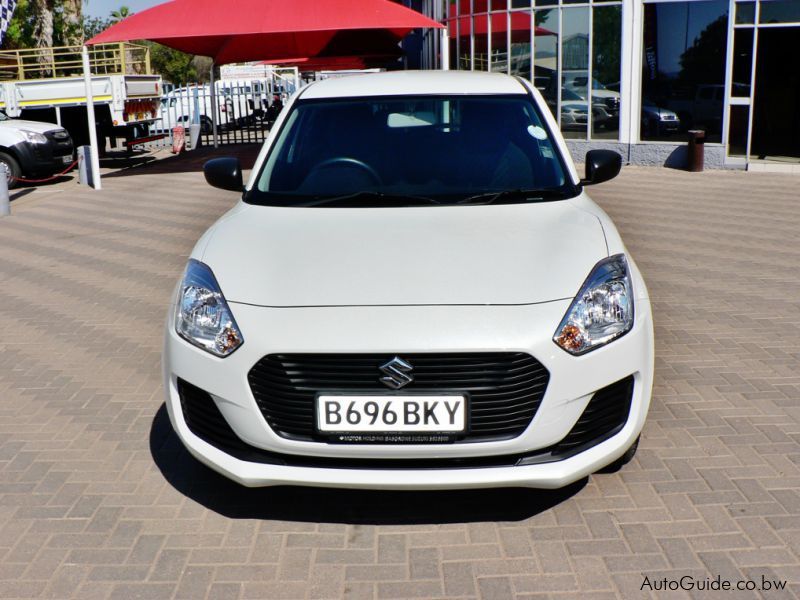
[47, 85]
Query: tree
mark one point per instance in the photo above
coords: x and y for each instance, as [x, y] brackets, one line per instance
[71, 13]
[122, 13]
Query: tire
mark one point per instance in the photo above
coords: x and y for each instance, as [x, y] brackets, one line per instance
[13, 169]
[206, 126]
[622, 460]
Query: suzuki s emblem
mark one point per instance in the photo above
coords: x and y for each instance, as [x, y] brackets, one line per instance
[396, 373]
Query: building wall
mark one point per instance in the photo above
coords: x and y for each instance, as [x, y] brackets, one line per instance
[666, 66]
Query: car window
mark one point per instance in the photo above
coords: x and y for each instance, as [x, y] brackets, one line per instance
[448, 148]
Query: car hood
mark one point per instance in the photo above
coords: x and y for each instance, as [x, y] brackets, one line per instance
[506, 254]
[36, 126]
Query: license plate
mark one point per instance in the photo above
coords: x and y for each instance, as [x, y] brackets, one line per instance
[66, 159]
[395, 414]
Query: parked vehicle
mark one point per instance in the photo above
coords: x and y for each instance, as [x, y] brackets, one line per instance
[125, 92]
[575, 114]
[32, 149]
[414, 292]
[703, 110]
[658, 121]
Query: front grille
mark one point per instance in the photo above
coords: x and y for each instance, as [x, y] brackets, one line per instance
[504, 388]
[60, 142]
[604, 416]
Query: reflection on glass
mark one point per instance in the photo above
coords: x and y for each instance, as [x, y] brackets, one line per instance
[481, 34]
[606, 43]
[745, 13]
[521, 22]
[742, 62]
[779, 11]
[499, 4]
[737, 130]
[683, 69]
[499, 52]
[520, 3]
[545, 44]
[574, 109]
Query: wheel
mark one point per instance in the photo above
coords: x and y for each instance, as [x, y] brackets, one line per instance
[622, 460]
[12, 168]
[351, 162]
[206, 126]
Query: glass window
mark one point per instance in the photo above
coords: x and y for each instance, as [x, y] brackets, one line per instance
[742, 62]
[737, 131]
[606, 44]
[481, 36]
[745, 13]
[779, 11]
[520, 3]
[545, 43]
[683, 67]
[499, 42]
[574, 109]
[521, 37]
[441, 147]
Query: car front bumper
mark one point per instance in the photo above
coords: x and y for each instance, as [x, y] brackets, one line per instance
[395, 330]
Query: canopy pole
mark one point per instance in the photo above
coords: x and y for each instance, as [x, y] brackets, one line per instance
[214, 107]
[95, 153]
[444, 49]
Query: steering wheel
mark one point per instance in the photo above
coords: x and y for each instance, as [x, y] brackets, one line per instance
[350, 162]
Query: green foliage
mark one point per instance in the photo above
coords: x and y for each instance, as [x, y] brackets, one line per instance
[173, 65]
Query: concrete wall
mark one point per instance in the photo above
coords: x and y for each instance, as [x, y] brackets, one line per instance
[653, 154]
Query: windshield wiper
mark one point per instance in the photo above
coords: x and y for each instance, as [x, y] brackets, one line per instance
[507, 196]
[364, 195]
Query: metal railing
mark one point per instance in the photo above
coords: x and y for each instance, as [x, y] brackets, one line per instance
[245, 108]
[65, 61]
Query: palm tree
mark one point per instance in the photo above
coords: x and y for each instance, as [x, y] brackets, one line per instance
[72, 11]
[43, 33]
[123, 13]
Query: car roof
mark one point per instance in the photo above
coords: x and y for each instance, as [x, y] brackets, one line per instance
[402, 83]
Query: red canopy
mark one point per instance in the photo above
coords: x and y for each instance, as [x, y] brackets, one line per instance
[333, 63]
[247, 30]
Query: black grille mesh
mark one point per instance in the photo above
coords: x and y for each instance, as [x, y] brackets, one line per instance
[605, 414]
[204, 419]
[504, 388]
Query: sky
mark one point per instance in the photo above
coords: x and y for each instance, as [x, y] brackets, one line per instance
[102, 8]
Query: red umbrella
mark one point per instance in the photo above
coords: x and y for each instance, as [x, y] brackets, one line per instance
[247, 30]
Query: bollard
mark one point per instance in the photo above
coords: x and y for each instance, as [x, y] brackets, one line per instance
[696, 150]
[5, 201]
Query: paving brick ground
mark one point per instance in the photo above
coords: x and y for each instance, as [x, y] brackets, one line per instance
[98, 500]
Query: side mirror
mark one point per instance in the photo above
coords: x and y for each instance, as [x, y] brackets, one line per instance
[601, 165]
[224, 173]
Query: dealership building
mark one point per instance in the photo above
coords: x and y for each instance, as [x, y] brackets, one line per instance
[636, 75]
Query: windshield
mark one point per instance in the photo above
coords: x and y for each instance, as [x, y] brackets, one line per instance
[440, 149]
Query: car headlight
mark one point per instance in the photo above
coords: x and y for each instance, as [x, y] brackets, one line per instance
[202, 316]
[34, 137]
[601, 312]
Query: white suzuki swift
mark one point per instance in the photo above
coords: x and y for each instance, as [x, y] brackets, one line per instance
[413, 293]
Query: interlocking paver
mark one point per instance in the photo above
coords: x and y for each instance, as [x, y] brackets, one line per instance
[99, 500]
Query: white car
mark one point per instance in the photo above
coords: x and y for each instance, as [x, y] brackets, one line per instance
[414, 292]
